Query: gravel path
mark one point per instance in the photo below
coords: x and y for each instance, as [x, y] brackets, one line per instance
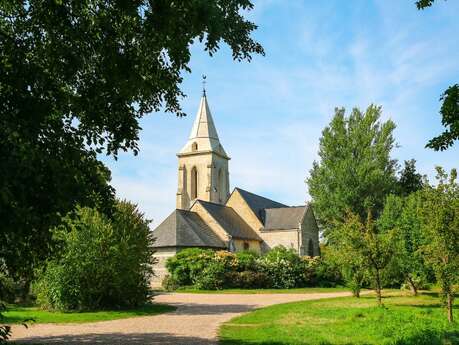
[195, 321]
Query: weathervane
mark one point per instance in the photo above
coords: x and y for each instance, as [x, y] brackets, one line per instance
[204, 84]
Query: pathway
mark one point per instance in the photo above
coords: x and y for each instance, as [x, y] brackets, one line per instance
[195, 321]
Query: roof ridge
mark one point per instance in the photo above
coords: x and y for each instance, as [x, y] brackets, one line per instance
[260, 196]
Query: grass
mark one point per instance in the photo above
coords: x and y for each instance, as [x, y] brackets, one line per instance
[262, 291]
[17, 314]
[404, 320]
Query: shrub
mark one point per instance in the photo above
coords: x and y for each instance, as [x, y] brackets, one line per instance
[169, 283]
[283, 267]
[187, 264]
[247, 261]
[247, 280]
[102, 263]
[213, 277]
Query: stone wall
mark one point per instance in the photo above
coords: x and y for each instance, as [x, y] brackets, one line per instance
[309, 232]
[162, 254]
[286, 238]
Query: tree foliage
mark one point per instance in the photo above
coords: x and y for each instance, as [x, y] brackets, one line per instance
[440, 226]
[402, 215]
[75, 78]
[409, 180]
[449, 110]
[100, 263]
[365, 248]
[355, 171]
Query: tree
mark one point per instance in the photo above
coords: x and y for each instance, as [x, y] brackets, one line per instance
[440, 218]
[449, 110]
[409, 181]
[355, 171]
[75, 78]
[362, 243]
[101, 262]
[403, 215]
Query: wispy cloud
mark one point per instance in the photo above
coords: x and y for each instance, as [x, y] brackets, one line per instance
[270, 113]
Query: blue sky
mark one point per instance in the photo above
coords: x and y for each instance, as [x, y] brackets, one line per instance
[270, 113]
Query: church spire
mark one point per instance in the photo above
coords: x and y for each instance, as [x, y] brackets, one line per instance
[203, 135]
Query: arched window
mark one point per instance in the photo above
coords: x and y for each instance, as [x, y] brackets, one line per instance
[310, 248]
[220, 184]
[194, 147]
[194, 183]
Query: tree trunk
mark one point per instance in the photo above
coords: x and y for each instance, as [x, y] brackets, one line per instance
[449, 306]
[378, 288]
[413, 288]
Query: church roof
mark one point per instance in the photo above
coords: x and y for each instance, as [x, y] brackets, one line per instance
[283, 218]
[230, 221]
[257, 203]
[185, 229]
[203, 133]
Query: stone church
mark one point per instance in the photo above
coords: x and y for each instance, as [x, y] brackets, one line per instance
[207, 215]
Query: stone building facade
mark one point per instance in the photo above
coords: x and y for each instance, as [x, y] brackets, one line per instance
[208, 216]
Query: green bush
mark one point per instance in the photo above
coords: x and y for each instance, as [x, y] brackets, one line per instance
[279, 268]
[101, 263]
[247, 261]
[284, 268]
[187, 264]
[247, 280]
[169, 283]
[213, 277]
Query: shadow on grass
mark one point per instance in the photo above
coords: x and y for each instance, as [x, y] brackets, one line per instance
[43, 316]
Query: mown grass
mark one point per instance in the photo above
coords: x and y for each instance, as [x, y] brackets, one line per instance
[262, 291]
[404, 320]
[17, 314]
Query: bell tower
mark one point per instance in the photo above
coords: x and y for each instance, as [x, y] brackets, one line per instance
[202, 163]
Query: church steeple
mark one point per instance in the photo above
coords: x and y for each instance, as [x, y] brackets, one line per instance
[203, 135]
[203, 163]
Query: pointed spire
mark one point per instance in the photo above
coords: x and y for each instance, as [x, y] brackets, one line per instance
[203, 126]
[203, 135]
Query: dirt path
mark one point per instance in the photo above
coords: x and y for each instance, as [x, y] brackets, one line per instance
[195, 321]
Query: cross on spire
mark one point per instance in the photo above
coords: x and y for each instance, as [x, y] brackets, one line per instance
[204, 84]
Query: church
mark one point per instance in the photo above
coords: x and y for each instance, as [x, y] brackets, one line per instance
[207, 215]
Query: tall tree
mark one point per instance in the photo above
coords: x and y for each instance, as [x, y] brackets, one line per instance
[75, 78]
[355, 171]
[449, 110]
[440, 215]
[410, 180]
[402, 215]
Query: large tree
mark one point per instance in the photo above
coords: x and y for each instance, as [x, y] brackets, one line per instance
[449, 110]
[75, 78]
[440, 226]
[355, 171]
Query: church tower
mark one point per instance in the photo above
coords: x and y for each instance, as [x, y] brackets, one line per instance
[202, 163]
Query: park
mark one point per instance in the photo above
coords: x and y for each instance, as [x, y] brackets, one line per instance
[229, 172]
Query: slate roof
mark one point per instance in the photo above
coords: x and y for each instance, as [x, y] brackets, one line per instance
[282, 218]
[185, 229]
[230, 221]
[258, 203]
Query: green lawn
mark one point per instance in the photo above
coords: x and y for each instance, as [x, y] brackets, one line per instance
[263, 291]
[17, 314]
[404, 320]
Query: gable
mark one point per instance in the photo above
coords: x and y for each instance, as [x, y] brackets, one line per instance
[233, 224]
[283, 218]
[185, 229]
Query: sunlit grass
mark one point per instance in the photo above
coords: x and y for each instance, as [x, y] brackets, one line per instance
[404, 320]
[17, 314]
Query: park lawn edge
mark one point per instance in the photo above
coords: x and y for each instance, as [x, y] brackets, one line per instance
[16, 314]
[258, 291]
[257, 322]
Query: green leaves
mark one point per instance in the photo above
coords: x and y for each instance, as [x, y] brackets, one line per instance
[450, 120]
[355, 171]
[101, 263]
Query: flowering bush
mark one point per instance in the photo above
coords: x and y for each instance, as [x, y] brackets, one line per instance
[211, 270]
